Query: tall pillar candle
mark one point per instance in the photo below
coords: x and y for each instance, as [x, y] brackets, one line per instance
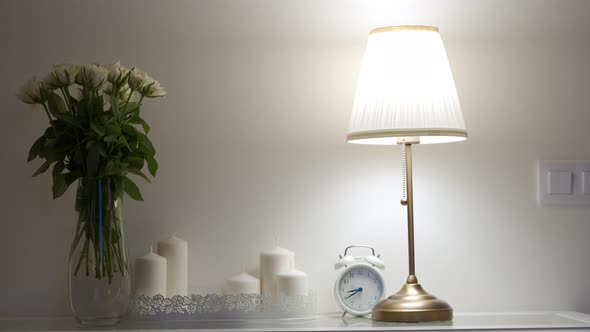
[175, 251]
[242, 283]
[150, 275]
[273, 262]
[292, 283]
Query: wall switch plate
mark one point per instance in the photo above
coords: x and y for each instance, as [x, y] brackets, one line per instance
[563, 182]
[586, 182]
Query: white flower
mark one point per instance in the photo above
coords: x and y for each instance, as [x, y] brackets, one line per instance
[108, 88]
[153, 90]
[92, 76]
[123, 92]
[32, 92]
[62, 76]
[138, 79]
[143, 83]
[117, 73]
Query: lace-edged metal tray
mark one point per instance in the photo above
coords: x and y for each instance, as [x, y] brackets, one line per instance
[219, 307]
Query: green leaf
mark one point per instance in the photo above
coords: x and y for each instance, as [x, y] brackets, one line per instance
[131, 189]
[110, 139]
[146, 145]
[140, 121]
[123, 141]
[62, 182]
[139, 173]
[135, 162]
[69, 119]
[152, 165]
[50, 132]
[72, 176]
[52, 151]
[109, 169]
[59, 185]
[58, 168]
[113, 130]
[131, 130]
[56, 104]
[36, 148]
[43, 168]
[97, 129]
[131, 107]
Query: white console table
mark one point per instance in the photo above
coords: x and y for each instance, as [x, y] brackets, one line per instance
[488, 322]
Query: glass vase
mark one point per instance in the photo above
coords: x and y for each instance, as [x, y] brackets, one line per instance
[99, 278]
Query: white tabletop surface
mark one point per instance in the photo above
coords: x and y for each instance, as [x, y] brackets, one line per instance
[546, 321]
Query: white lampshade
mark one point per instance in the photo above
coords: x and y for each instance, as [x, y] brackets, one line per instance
[406, 89]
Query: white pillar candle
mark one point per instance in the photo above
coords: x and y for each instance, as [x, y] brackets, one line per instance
[150, 275]
[292, 283]
[273, 262]
[242, 283]
[175, 251]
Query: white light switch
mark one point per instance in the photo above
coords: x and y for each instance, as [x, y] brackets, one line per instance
[586, 182]
[563, 182]
[560, 182]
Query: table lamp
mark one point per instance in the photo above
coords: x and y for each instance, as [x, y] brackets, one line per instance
[406, 95]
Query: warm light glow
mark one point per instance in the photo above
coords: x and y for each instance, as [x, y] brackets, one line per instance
[406, 88]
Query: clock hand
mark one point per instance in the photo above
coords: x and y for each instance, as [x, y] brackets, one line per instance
[360, 289]
[354, 291]
[350, 295]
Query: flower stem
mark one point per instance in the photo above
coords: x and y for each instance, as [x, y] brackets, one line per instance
[68, 101]
[83, 255]
[47, 112]
[107, 256]
[126, 105]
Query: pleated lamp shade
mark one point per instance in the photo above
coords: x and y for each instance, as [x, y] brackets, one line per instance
[406, 89]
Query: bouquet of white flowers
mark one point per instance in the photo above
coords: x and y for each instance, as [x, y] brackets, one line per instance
[93, 134]
[96, 134]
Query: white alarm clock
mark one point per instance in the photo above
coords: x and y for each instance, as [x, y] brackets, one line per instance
[360, 285]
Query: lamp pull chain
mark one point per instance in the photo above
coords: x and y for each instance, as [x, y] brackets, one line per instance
[404, 200]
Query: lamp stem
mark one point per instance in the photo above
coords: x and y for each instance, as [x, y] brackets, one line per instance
[412, 303]
[410, 207]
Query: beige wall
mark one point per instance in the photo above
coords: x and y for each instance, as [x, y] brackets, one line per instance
[251, 145]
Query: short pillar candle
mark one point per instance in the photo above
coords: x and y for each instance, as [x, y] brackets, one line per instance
[292, 283]
[175, 251]
[150, 275]
[242, 283]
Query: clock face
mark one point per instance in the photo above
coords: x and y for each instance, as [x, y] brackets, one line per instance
[358, 289]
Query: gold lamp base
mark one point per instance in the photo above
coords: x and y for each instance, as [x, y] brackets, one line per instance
[412, 304]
